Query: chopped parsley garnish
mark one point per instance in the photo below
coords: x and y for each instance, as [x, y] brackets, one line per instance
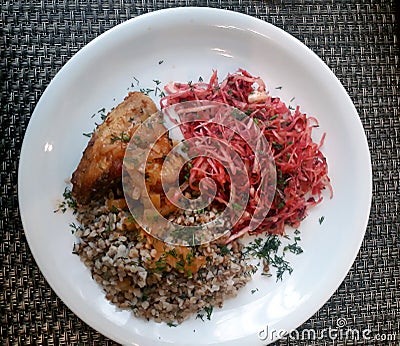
[124, 137]
[200, 316]
[114, 209]
[321, 219]
[209, 310]
[146, 91]
[160, 265]
[172, 253]
[88, 134]
[68, 202]
[180, 265]
[267, 250]
[189, 258]
[294, 248]
[156, 90]
[171, 324]
[224, 250]
[187, 176]
[277, 146]
[281, 267]
[103, 114]
[74, 227]
[281, 205]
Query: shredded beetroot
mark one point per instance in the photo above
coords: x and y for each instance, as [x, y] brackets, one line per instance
[302, 171]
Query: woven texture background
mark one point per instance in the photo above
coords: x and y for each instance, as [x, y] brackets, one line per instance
[356, 38]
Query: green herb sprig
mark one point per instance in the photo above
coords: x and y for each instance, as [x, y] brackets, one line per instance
[267, 251]
[69, 202]
[209, 310]
[124, 137]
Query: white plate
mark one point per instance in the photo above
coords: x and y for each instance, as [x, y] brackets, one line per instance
[183, 44]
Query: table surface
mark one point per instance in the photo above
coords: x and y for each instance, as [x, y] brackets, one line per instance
[357, 39]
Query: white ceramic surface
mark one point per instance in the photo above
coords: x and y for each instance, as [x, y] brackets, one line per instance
[183, 44]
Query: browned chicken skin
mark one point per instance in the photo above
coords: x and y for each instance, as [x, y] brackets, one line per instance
[101, 165]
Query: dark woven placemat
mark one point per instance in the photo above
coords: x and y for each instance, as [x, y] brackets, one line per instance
[357, 39]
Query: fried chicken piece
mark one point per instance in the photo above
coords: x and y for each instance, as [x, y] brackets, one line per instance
[101, 165]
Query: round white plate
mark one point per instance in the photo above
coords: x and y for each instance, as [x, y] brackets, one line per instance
[184, 44]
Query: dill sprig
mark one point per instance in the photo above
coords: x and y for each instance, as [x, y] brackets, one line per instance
[209, 310]
[124, 137]
[267, 251]
[68, 203]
